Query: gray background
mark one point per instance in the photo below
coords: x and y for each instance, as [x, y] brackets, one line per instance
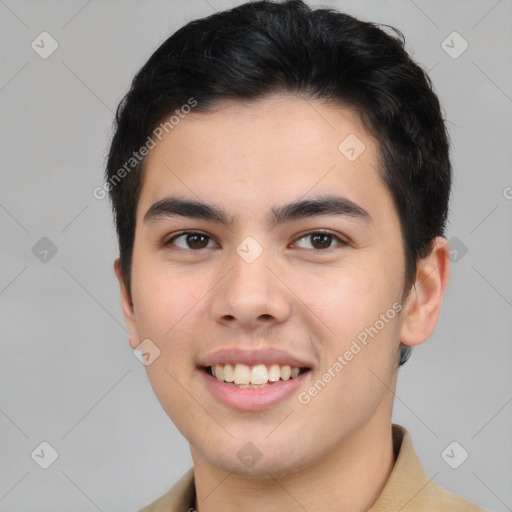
[67, 373]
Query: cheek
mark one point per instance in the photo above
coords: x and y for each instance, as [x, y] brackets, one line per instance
[165, 300]
[167, 309]
[359, 328]
[349, 299]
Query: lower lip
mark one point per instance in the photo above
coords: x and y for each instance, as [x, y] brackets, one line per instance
[253, 399]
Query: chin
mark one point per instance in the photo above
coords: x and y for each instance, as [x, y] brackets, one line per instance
[263, 469]
[251, 460]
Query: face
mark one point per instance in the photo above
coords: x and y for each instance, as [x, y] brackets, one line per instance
[258, 289]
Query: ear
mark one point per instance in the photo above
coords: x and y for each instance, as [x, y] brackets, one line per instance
[423, 304]
[127, 306]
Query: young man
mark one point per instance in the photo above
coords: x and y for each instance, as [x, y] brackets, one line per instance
[280, 179]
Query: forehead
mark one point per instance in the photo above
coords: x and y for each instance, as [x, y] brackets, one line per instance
[260, 153]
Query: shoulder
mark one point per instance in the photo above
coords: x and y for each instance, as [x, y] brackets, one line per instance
[439, 499]
[179, 498]
[410, 489]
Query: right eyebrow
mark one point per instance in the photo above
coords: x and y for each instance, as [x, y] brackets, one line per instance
[177, 207]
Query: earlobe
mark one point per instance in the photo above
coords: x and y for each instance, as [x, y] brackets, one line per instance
[423, 304]
[127, 305]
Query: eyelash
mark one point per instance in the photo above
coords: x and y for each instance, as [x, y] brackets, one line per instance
[333, 236]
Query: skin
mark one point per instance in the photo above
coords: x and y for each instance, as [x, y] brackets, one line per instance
[334, 453]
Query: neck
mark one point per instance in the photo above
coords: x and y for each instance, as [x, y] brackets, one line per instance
[351, 479]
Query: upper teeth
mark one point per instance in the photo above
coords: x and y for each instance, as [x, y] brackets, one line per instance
[259, 374]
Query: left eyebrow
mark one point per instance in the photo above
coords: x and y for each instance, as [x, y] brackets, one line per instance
[174, 206]
[323, 205]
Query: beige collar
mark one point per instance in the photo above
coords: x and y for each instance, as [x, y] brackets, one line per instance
[408, 488]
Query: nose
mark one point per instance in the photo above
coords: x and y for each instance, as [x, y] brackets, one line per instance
[251, 295]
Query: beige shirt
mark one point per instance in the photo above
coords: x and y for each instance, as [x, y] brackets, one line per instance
[408, 488]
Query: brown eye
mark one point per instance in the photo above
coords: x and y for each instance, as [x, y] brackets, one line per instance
[322, 240]
[196, 241]
[190, 240]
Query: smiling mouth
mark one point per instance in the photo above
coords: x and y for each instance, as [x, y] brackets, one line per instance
[257, 376]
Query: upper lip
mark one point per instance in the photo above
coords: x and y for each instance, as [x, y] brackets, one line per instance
[268, 355]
